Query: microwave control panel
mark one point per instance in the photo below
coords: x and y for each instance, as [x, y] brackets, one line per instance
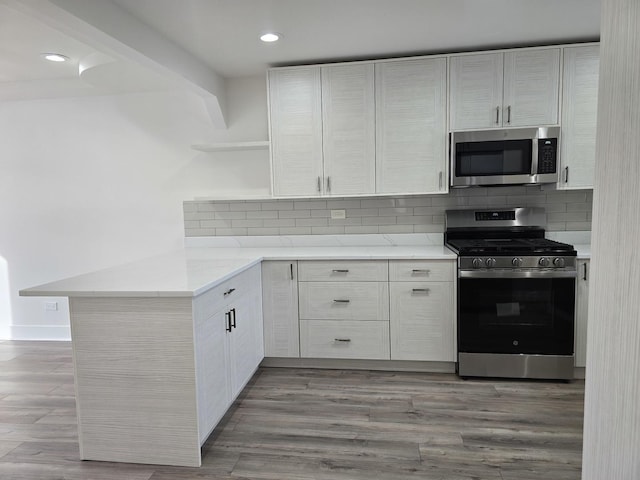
[547, 158]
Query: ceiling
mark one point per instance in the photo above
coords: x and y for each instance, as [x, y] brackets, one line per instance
[220, 37]
[224, 33]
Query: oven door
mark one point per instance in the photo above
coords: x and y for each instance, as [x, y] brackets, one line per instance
[523, 315]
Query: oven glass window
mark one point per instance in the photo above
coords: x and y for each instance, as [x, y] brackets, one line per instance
[507, 157]
[534, 316]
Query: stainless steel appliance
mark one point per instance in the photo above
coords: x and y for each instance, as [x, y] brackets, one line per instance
[516, 295]
[504, 157]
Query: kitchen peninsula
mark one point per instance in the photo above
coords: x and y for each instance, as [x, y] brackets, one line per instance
[162, 347]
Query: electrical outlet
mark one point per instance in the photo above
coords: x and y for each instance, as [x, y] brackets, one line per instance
[338, 214]
[51, 306]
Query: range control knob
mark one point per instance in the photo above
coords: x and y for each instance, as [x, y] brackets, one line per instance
[558, 262]
[476, 262]
[543, 262]
[490, 262]
[516, 262]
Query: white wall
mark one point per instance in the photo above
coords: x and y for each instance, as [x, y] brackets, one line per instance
[612, 413]
[88, 183]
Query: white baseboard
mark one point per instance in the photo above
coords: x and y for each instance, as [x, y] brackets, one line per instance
[39, 332]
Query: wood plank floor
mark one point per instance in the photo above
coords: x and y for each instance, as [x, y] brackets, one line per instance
[313, 424]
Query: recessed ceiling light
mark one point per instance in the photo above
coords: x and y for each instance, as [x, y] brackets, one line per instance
[55, 57]
[270, 37]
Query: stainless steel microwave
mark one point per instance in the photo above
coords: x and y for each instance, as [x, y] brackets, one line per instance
[515, 156]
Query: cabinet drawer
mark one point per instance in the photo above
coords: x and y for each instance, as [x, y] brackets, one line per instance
[344, 300]
[344, 339]
[422, 321]
[421, 271]
[343, 271]
[228, 291]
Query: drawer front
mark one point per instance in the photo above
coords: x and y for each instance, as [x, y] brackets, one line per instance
[344, 300]
[344, 339]
[421, 271]
[219, 297]
[422, 321]
[343, 271]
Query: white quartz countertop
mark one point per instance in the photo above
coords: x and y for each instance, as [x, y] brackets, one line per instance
[192, 271]
[584, 251]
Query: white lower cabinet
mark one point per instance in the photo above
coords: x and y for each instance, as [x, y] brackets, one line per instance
[422, 319]
[280, 308]
[367, 340]
[344, 310]
[228, 345]
[582, 312]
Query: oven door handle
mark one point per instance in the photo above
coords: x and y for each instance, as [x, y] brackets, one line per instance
[517, 274]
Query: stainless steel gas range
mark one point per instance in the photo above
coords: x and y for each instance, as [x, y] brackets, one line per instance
[516, 295]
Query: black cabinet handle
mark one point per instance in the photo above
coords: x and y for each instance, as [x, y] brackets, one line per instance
[233, 311]
[584, 272]
[229, 292]
[291, 269]
[227, 316]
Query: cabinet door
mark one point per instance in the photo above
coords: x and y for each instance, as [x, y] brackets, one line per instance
[421, 321]
[280, 309]
[476, 91]
[411, 126]
[582, 311]
[214, 393]
[531, 87]
[245, 341]
[296, 130]
[348, 112]
[579, 115]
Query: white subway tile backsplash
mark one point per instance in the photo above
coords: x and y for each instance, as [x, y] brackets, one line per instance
[379, 220]
[281, 222]
[335, 204]
[262, 214]
[245, 206]
[310, 205]
[378, 203]
[294, 214]
[362, 212]
[395, 229]
[364, 229]
[311, 222]
[230, 215]
[386, 212]
[327, 230]
[566, 211]
[257, 223]
[215, 223]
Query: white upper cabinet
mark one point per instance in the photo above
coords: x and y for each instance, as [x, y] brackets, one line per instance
[322, 130]
[348, 119]
[579, 114]
[512, 89]
[295, 104]
[411, 126]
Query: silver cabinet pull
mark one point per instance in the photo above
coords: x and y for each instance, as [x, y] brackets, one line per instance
[509, 114]
[340, 300]
[344, 340]
[417, 270]
[566, 174]
[420, 290]
[328, 184]
[229, 292]
[319, 185]
[498, 115]
[291, 269]
[440, 181]
[340, 271]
